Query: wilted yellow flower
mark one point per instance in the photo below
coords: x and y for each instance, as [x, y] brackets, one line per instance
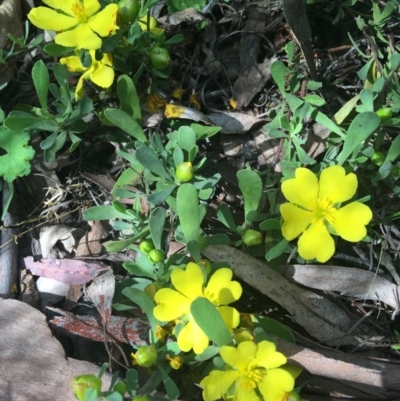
[175, 362]
[173, 111]
[193, 99]
[178, 93]
[100, 72]
[188, 283]
[155, 102]
[315, 206]
[78, 23]
[250, 367]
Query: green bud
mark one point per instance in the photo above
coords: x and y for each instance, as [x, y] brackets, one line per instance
[84, 382]
[385, 114]
[160, 57]
[293, 396]
[378, 158]
[146, 356]
[184, 172]
[121, 387]
[156, 256]
[206, 264]
[146, 246]
[252, 237]
[128, 10]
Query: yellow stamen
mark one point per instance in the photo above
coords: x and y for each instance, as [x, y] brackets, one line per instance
[79, 11]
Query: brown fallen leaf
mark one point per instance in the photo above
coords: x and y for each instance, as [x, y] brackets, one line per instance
[68, 271]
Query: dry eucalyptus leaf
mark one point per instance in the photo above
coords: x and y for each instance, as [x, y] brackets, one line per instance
[234, 122]
[101, 292]
[322, 318]
[189, 15]
[348, 281]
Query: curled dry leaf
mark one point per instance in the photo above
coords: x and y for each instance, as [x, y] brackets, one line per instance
[68, 271]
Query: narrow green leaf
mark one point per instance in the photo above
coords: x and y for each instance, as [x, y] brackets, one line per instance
[125, 122]
[103, 212]
[132, 379]
[210, 321]
[156, 225]
[187, 205]
[170, 387]
[225, 217]
[394, 150]
[149, 159]
[141, 299]
[129, 98]
[360, 129]
[160, 197]
[250, 185]
[271, 326]
[276, 250]
[278, 72]
[41, 80]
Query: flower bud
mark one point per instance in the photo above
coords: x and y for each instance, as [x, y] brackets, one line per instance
[156, 256]
[160, 57]
[141, 398]
[184, 172]
[146, 245]
[121, 387]
[128, 10]
[145, 356]
[252, 237]
[241, 335]
[205, 264]
[378, 158]
[385, 114]
[84, 382]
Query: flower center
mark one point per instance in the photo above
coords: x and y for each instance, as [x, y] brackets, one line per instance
[79, 11]
[250, 378]
[323, 210]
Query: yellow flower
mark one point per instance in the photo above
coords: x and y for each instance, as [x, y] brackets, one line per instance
[78, 21]
[100, 72]
[175, 304]
[251, 367]
[315, 205]
[175, 362]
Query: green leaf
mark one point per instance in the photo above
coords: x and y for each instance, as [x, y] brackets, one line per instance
[19, 120]
[156, 225]
[250, 185]
[346, 109]
[125, 122]
[141, 299]
[323, 119]
[129, 98]
[394, 150]
[203, 132]
[56, 50]
[218, 239]
[16, 162]
[132, 379]
[278, 72]
[149, 159]
[225, 217]
[210, 321]
[82, 109]
[187, 205]
[41, 80]
[142, 268]
[271, 326]
[314, 99]
[49, 154]
[360, 129]
[180, 5]
[270, 224]
[159, 197]
[186, 138]
[103, 212]
[61, 73]
[276, 250]
[171, 388]
[118, 246]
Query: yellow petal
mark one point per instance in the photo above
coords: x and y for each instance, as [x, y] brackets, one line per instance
[188, 282]
[276, 384]
[192, 336]
[104, 22]
[81, 37]
[48, 19]
[217, 384]
[245, 394]
[239, 357]
[351, 221]
[91, 7]
[267, 356]
[103, 76]
[230, 316]
[65, 5]
[302, 190]
[73, 64]
[79, 90]
[295, 220]
[171, 305]
[221, 290]
[316, 242]
[335, 185]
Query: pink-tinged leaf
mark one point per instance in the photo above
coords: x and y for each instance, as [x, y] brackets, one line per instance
[131, 331]
[68, 271]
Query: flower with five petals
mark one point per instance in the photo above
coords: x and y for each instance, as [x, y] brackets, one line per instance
[314, 209]
[189, 285]
[100, 72]
[78, 23]
[250, 367]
